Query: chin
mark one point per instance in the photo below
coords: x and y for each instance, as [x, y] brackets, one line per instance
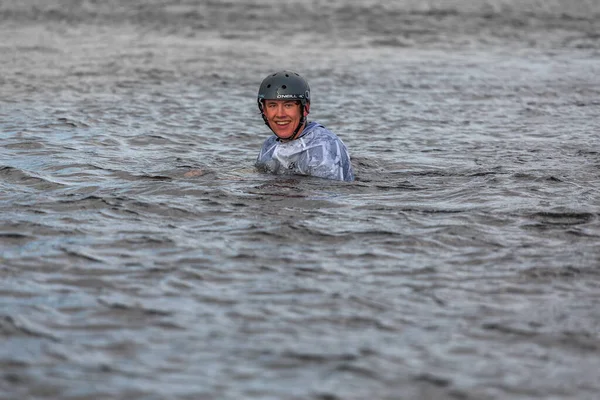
[285, 135]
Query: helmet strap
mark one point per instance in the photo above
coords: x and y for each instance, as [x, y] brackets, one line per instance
[300, 123]
[262, 113]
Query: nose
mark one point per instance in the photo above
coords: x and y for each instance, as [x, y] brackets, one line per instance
[280, 112]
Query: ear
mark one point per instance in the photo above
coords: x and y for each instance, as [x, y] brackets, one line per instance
[306, 109]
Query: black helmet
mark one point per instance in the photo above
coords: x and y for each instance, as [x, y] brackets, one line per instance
[284, 85]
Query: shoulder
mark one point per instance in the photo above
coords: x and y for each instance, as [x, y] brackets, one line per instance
[270, 142]
[268, 147]
[320, 133]
[315, 127]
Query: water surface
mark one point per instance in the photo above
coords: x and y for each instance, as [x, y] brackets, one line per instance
[144, 257]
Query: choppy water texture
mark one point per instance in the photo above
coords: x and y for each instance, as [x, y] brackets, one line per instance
[143, 257]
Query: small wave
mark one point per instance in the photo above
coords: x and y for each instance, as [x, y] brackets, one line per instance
[14, 235]
[155, 177]
[561, 273]
[582, 341]
[433, 379]
[28, 179]
[79, 254]
[28, 145]
[562, 218]
[11, 326]
[65, 123]
[38, 49]
[134, 310]
[317, 357]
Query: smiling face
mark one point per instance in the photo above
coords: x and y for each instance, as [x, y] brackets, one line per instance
[284, 116]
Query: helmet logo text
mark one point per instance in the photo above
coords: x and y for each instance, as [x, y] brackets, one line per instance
[289, 96]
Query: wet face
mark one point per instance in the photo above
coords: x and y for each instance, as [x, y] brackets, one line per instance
[283, 116]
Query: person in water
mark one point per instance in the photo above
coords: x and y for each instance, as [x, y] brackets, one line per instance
[298, 147]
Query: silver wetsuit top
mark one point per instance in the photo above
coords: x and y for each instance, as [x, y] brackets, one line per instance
[316, 152]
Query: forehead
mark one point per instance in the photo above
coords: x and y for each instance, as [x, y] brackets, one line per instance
[281, 101]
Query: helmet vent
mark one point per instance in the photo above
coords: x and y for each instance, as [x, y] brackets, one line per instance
[284, 87]
[269, 85]
[287, 75]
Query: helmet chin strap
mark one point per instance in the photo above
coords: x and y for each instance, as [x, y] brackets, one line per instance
[300, 124]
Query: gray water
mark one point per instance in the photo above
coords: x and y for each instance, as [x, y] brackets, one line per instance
[143, 256]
